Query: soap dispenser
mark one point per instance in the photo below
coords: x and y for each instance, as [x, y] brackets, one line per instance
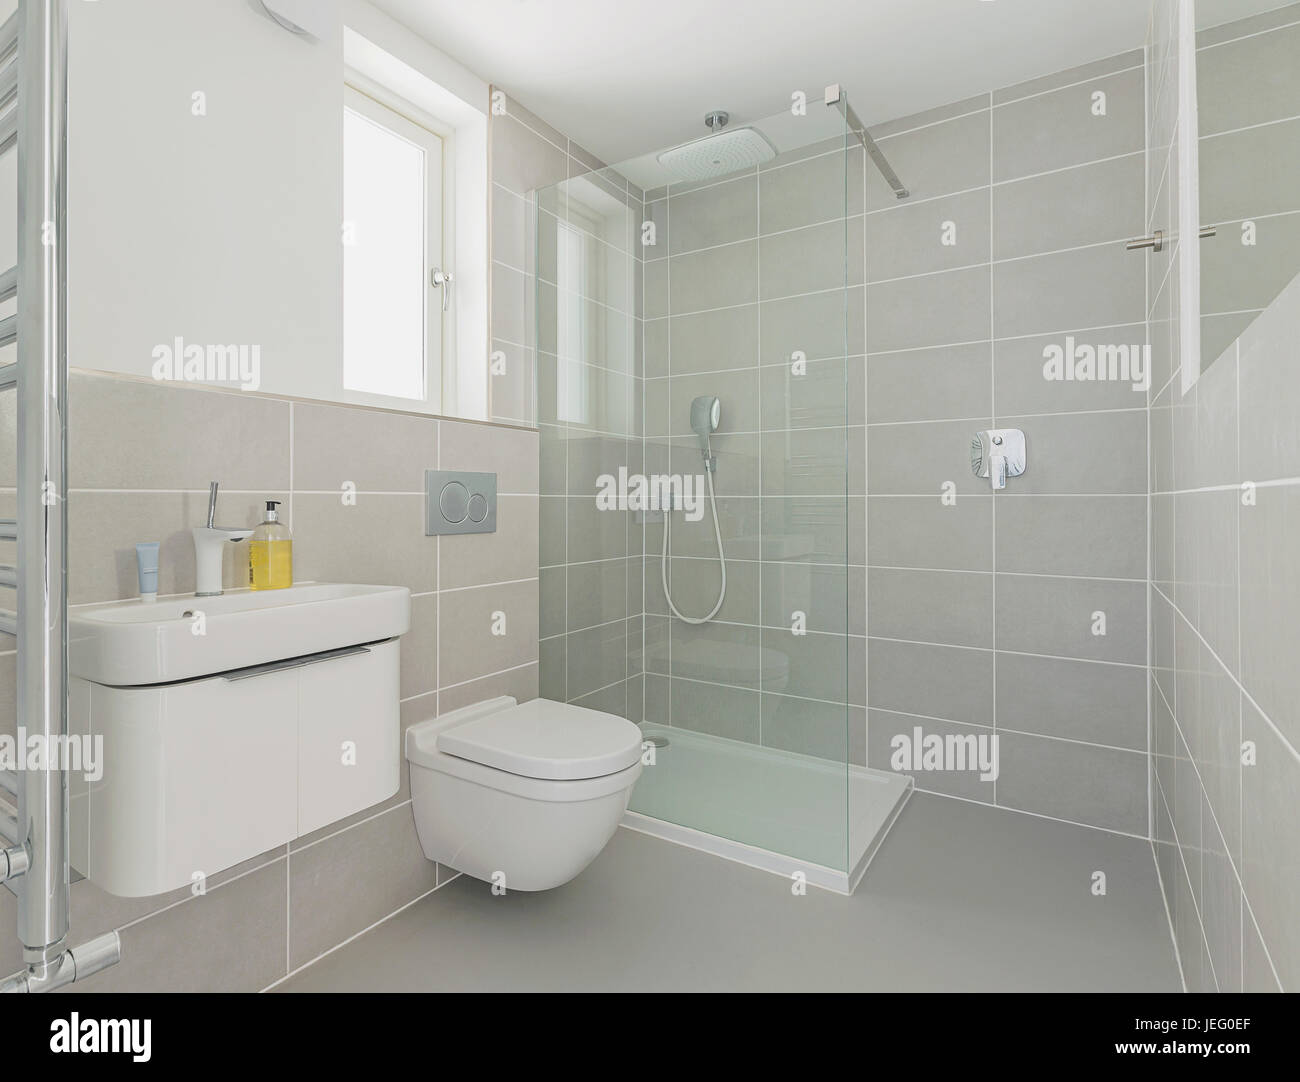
[270, 552]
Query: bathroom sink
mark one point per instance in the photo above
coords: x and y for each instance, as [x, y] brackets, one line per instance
[127, 643]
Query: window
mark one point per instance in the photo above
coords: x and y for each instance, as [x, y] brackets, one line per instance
[571, 251]
[392, 210]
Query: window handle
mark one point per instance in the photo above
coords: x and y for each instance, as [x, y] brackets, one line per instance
[441, 279]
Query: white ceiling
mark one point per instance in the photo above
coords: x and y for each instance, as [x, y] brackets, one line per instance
[623, 77]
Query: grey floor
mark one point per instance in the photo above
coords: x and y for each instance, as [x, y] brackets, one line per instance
[960, 896]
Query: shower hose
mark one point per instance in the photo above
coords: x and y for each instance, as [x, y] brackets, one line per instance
[722, 559]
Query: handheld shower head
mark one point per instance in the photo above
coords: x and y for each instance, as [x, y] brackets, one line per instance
[706, 412]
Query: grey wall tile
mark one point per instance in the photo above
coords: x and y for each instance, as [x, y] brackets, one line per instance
[507, 555]
[597, 657]
[1270, 623]
[883, 727]
[336, 543]
[1076, 700]
[951, 607]
[390, 871]
[819, 325]
[597, 593]
[511, 391]
[809, 191]
[712, 278]
[467, 647]
[1083, 453]
[934, 235]
[513, 306]
[738, 391]
[1045, 615]
[930, 384]
[809, 260]
[935, 158]
[1086, 287]
[1103, 536]
[1059, 129]
[1077, 782]
[828, 596]
[593, 534]
[812, 666]
[806, 727]
[1249, 81]
[419, 648]
[934, 310]
[709, 341]
[713, 708]
[1224, 198]
[826, 393]
[116, 428]
[1269, 396]
[520, 683]
[1084, 205]
[810, 462]
[523, 160]
[919, 459]
[510, 453]
[1236, 278]
[174, 951]
[512, 240]
[714, 215]
[722, 654]
[934, 681]
[1068, 77]
[1240, 28]
[930, 116]
[695, 584]
[375, 450]
[923, 532]
[1022, 386]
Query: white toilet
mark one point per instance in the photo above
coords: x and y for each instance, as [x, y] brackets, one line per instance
[525, 794]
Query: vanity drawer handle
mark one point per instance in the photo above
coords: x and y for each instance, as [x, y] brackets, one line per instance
[294, 662]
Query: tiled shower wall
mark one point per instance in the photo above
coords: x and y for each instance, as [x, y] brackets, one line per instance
[744, 272]
[141, 455]
[1225, 505]
[983, 610]
[566, 272]
[1248, 95]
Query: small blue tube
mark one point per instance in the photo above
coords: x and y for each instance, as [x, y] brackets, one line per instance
[146, 558]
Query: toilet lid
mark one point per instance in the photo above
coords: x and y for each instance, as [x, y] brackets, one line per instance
[546, 739]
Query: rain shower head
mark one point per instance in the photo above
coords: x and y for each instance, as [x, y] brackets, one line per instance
[725, 151]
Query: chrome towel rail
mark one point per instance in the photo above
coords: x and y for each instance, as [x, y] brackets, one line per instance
[33, 77]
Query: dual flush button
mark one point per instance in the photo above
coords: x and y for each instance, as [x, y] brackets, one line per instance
[459, 502]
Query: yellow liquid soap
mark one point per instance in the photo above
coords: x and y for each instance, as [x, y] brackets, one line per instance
[270, 553]
[270, 564]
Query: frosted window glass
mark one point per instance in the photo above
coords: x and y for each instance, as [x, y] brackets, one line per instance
[383, 264]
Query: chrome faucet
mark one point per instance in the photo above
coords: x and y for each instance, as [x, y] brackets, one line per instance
[208, 542]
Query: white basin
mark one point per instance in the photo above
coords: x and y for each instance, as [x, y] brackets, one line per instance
[128, 643]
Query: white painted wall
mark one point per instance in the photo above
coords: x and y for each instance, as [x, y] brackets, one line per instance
[221, 228]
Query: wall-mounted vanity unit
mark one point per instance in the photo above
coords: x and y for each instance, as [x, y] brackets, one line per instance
[230, 725]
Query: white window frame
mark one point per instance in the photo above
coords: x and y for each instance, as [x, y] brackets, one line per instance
[377, 103]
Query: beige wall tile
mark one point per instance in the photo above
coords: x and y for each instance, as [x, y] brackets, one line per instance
[383, 868]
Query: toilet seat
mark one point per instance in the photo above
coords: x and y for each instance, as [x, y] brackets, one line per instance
[547, 740]
[540, 739]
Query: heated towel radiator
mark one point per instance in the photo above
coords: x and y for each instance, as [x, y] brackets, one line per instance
[34, 820]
